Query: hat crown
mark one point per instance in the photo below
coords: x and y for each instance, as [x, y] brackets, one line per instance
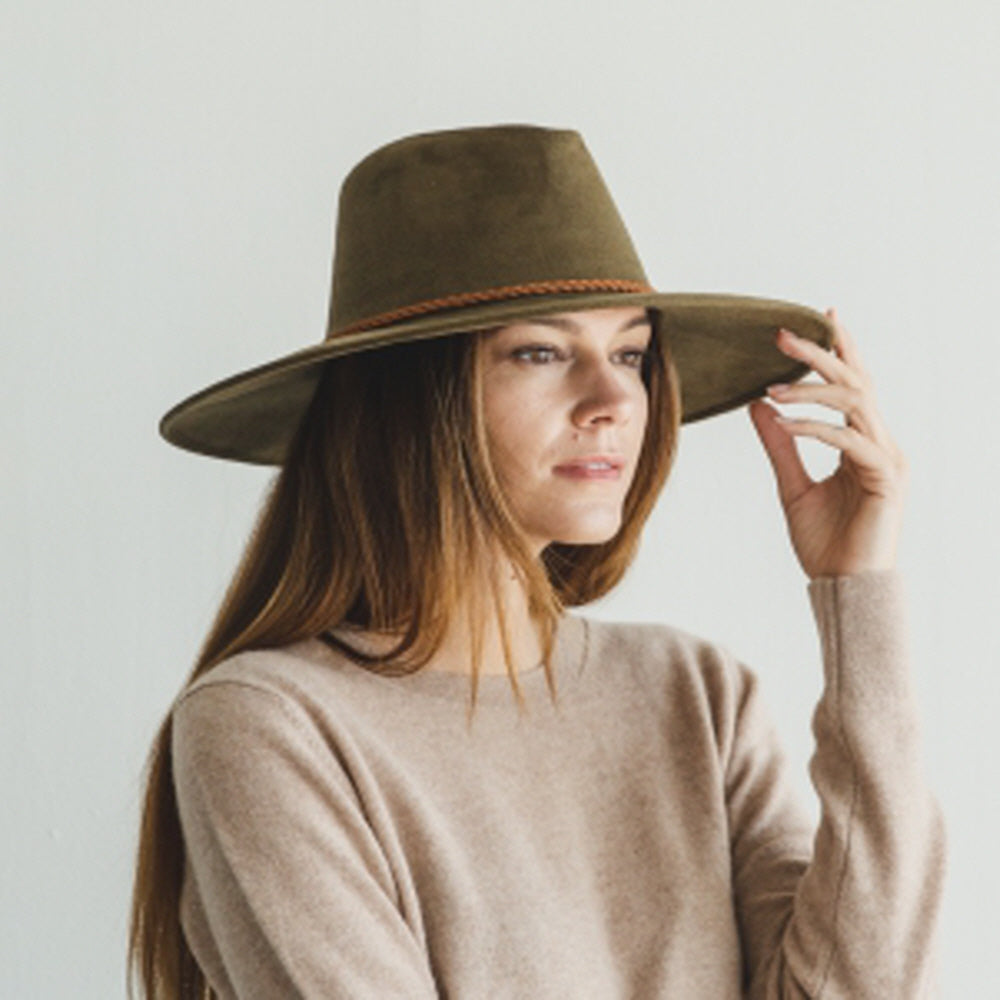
[450, 214]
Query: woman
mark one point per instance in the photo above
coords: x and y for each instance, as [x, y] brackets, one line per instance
[472, 450]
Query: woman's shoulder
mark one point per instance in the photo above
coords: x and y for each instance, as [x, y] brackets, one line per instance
[664, 653]
[644, 638]
[278, 674]
[690, 683]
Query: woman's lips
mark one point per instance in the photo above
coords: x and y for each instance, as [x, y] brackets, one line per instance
[598, 467]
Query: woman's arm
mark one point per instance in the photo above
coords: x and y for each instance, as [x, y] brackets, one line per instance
[287, 892]
[857, 918]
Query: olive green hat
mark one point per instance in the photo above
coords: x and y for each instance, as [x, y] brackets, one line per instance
[472, 228]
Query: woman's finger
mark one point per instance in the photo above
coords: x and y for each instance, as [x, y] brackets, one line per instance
[876, 466]
[844, 343]
[822, 361]
[855, 404]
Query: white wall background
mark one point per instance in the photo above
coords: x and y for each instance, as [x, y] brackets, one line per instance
[169, 179]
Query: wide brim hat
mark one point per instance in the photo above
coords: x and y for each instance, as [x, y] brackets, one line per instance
[469, 229]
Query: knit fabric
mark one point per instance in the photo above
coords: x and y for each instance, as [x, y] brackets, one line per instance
[348, 835]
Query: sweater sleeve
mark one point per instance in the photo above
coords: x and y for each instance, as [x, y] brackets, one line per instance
[295, 897]
[853, 913]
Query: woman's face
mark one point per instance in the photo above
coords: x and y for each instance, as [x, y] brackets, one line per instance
[565, 409]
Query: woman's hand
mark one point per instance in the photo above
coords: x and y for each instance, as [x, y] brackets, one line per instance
[850, 521]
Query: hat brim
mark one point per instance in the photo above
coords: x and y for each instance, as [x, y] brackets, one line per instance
[722, 345]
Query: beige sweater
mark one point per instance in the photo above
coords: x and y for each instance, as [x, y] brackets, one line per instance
[349, 837]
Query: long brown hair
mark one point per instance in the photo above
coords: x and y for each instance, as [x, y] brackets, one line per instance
[386, 515]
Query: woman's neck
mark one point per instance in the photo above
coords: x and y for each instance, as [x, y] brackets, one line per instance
[454, 655]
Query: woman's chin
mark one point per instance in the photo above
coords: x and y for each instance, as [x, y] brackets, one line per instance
[587, 534]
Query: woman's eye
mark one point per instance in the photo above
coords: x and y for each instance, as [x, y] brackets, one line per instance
[635, 357]
[537, 353]
[544, 354]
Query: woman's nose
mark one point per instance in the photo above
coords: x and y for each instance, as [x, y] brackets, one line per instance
[602, 396]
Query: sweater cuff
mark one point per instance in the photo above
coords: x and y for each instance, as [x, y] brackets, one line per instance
[863, 629]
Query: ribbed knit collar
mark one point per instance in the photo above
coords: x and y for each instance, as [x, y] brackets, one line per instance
[569, 657]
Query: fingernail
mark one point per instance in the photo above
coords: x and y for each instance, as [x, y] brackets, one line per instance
[777, 388]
